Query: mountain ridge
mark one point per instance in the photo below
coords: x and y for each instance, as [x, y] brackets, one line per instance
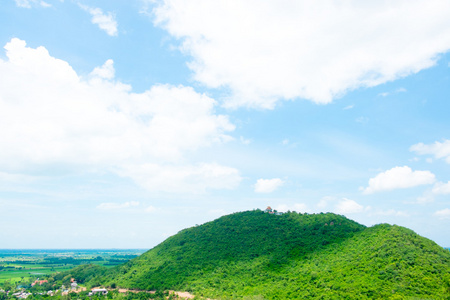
[290, 256]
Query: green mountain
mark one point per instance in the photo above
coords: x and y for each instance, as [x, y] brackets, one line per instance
[256, 255]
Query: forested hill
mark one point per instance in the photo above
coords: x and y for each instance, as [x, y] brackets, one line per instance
[240, 237]
[289, 256]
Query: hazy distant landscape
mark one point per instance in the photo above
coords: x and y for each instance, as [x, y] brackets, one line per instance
[19, 266]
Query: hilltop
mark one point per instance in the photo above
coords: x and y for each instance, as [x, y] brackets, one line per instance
[288, 256]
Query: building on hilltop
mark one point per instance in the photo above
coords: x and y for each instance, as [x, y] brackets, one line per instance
[271, 211]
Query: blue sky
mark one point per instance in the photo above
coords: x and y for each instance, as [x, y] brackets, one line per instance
[123, 122]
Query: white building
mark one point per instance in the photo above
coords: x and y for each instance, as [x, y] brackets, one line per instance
[98, 291]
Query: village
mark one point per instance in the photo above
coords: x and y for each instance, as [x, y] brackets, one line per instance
[23, 292]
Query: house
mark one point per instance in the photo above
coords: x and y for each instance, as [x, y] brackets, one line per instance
[269, 210]
[98, 291]
[74, 285]
[21, 295]
[40, 282]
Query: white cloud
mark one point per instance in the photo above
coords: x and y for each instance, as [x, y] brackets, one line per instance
[441, 188]
[8, 178]
[348, 206]
[29, 3]
[391, 212]
[444, 213]
[323, 203]
[268, 185]
[438, 149]
[399, 90]
[362, 120]
[45, 4]
[55, 117]
[106, 22]
[106, 71]
[244, 140]
[326, 201]
[23, 3]
[349, 107]
[268, 51]
[150, 209]
[114, 206]
[427, 197]
[398, 178]
[182, 178]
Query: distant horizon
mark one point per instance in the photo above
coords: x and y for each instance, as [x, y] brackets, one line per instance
[66, 249]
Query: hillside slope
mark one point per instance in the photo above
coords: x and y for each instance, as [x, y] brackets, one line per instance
[290, 256]
[381, 262]
[240, 237]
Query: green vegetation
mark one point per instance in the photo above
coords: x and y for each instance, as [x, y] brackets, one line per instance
[233, 239]
[255, 255]
[21, 267]
[291, 256]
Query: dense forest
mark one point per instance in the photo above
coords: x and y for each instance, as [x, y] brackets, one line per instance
[257, 255]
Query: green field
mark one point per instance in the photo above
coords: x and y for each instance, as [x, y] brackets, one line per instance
[20, 265]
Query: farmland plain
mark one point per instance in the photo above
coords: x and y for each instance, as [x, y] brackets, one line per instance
[19, 265]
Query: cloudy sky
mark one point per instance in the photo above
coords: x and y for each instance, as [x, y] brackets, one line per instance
[123, 122]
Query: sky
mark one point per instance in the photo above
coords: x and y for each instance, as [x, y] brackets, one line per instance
[124, 122]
